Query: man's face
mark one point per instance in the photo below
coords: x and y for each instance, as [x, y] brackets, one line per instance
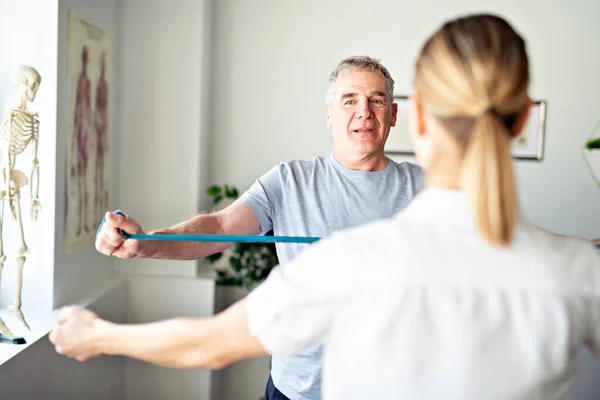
[360, 114]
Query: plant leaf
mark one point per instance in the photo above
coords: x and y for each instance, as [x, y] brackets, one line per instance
[214, 257]
[213, 191]
[231, 192]
[593, 144]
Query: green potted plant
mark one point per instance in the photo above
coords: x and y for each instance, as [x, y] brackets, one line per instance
[591, 153]
[593, 144]
[243, 265]
[239, 269]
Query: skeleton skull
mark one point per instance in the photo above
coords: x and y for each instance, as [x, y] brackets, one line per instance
[28, 81]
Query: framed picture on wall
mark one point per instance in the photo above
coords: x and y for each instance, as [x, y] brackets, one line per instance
[399, 141]
[528, 146]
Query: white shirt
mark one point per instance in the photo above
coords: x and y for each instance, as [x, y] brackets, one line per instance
[419, 306]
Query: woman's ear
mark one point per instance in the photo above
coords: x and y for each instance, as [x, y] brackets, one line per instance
[417, 116]
[522, 118]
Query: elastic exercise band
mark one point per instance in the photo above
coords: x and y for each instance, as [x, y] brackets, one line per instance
[213, 238]
[219, 238]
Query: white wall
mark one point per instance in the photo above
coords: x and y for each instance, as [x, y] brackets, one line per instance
[159, 151]
[20, 44]
[158, 298]
[273, 58]
[243, 380]
[160, 166]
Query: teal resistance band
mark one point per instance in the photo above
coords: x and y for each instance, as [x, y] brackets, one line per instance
[220, 238]
[214, 238]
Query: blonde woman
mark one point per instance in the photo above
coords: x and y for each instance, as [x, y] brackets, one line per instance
[456, 297]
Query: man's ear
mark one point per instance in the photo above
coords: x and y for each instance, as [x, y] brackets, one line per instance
[327, 117]
[394, 113]
[523, 118]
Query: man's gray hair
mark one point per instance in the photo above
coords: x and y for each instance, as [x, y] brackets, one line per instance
[357, 63]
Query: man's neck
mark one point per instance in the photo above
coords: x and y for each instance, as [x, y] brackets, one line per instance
[375, 162]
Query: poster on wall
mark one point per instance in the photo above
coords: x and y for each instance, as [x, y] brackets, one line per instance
[90, 119]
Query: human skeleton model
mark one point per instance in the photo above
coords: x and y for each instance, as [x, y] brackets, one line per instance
[101, 127]
[79, 149]
[19, 131]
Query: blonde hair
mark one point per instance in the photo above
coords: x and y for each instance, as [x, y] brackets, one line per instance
[473, 75]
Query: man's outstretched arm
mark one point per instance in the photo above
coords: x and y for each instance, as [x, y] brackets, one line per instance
[237, 219]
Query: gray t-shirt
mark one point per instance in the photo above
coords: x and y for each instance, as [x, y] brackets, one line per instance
[316, 198]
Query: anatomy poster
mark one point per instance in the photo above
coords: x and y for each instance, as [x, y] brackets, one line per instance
[90, 121]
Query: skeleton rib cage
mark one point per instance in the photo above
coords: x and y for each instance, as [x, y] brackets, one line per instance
[24, 127]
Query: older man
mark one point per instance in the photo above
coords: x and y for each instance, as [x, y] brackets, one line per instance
[354, 184]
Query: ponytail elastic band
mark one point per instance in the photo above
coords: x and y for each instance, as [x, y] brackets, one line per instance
[491, 110]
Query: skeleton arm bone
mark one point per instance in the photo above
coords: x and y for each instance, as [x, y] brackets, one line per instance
[35, 173]
[8, 162]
